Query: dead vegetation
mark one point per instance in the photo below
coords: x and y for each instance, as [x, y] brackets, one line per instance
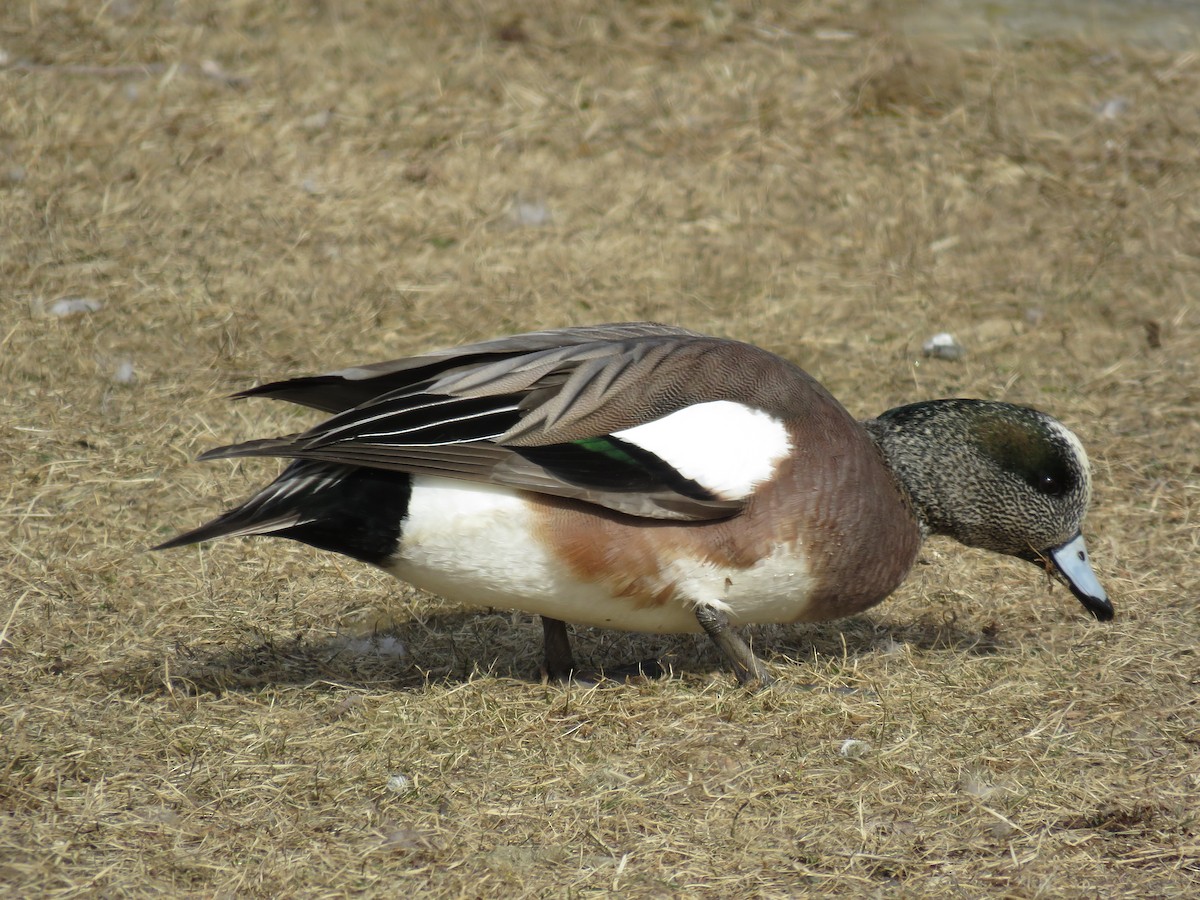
[249, 191]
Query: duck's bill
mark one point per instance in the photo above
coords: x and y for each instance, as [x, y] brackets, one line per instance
[1071, 561]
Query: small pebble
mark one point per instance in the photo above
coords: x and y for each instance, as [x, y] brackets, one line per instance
[946, 243]
[531, 213]
[158, 814]
[977, 787]
[74, 306]
[405, 839]
[125, 373]
[1112, 109]
[318, 121]
[1000, 829]
[943, 346]
[854, 749]
[836, 35]
[377, 644]
[214, 70]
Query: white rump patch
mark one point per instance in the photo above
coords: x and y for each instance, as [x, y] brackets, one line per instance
[723, 446]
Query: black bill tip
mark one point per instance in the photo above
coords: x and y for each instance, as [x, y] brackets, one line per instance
[1071, 561]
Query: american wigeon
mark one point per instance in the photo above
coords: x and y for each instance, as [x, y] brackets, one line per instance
[647, 478]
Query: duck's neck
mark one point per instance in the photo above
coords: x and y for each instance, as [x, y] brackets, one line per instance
[911, 439]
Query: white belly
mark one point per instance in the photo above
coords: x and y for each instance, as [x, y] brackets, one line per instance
[475, 544]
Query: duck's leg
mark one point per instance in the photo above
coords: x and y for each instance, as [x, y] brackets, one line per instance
[559, 662]
[748, 668]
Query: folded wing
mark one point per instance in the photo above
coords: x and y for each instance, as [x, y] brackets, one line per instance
[554, 412]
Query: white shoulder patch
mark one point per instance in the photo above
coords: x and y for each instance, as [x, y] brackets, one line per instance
[724, 446]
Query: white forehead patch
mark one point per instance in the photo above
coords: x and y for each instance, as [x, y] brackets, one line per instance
[1076, 446]
[723, 446]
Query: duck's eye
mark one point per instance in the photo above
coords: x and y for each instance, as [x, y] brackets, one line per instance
[1015, 447]
[1051, 484]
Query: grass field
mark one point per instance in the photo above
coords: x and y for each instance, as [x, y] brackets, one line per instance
[248, 191]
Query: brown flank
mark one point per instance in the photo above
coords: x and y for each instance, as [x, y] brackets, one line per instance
[834, 500]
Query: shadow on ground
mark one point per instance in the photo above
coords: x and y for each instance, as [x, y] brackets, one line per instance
[453, 648]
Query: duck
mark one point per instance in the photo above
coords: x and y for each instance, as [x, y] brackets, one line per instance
[645, 477]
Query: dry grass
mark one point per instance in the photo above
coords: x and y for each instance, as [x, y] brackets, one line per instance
[258, 190]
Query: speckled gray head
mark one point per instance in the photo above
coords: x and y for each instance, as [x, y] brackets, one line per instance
[1002, 477]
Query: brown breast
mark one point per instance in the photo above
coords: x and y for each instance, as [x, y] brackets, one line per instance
[834, 500]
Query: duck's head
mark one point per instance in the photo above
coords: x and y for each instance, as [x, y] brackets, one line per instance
[1002, 477]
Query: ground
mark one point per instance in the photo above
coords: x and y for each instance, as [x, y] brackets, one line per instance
[236, 192]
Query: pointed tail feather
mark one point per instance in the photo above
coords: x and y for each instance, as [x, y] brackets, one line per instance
[280, 505]
[277, 446]
[347, 509]
[235, 523]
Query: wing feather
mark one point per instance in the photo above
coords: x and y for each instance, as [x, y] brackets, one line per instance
[536, 412]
